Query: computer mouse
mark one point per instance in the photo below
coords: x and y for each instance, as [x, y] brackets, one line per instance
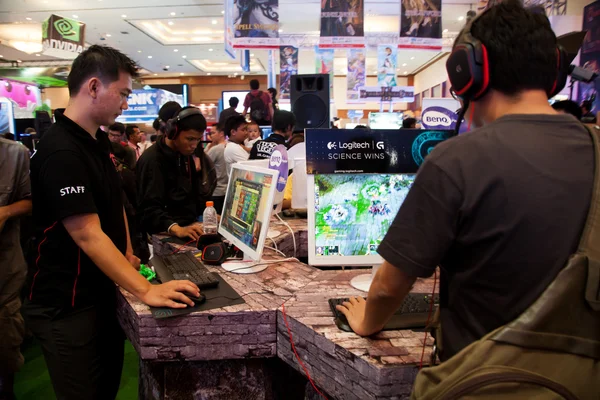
[197, 300]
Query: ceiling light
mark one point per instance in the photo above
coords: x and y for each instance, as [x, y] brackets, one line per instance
[37, 55]
[75, 16]
[412, 58]
[167, 67]
[214, 21]
[405, 72]
[235, 74]
[251, 54]
[1, 56]
[123, 16]
[404, 65]
[445, 30]
[175, 50]
[281, 30]
[27, 47]
[149, 56]
[181, 73]
[155, 74]
[28, 19]
[183, 56]
[19, 61]
[108, 35]
[173, 14]
[461, 18]
[222, 11]
[208, 73]
[210, 49]
[139, 51]
[171, 23]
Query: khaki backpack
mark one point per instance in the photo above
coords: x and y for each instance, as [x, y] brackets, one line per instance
[551, 351]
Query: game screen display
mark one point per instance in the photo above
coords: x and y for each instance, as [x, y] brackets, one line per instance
[246, 204]
[354, 212]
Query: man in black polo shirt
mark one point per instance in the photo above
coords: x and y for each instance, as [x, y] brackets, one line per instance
[499, 209]
[283, 128]
[83, 242]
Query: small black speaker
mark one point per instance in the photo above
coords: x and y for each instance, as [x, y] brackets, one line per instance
[309, 95]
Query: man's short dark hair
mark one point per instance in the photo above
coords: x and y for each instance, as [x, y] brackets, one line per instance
[273, 91]
[254, 84]
[117, 127]
[409, 123]
[282, 120]
[521, 47]
[103, 62]
[130, 130]
[195, 122]
[233, 102]
[153, 138]
[568, 106]
[233, 123]
[156, 124]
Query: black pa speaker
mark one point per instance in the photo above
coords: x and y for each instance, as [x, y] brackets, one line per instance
[310, 100]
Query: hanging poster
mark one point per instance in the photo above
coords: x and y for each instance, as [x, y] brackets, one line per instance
[342, 23]
[396, 94]
[590, 55]
[324, 65]
[356, 77]
[256, 24]
[229, 35]
[288, 66]
[387, 56]
[421, 24]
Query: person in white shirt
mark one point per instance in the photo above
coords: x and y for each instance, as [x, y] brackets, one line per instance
[216, 152]
[236, 128]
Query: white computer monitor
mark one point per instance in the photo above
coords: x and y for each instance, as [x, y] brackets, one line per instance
[299, 178]
[348, 217]
[240, 94]
[246, 214]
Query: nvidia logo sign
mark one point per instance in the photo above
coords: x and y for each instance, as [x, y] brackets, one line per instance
[63, 37]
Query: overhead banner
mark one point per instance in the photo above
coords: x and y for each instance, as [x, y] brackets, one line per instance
[338, 151]
[62, 37]
[356, 77]
[421, 24]
[324, 65]
[256, 24]
[396, 94]
[229, 32]
[387, 58]
[342, 23]
[590, 55]
[288, 66]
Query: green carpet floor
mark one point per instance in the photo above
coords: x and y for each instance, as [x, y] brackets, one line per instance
[33, 382]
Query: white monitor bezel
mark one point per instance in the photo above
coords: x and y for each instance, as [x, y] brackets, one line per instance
[248, 251]
[313, 259]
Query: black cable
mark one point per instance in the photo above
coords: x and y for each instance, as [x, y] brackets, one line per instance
[247, 294]
[461, 115]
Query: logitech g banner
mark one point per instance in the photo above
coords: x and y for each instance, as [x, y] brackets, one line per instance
[345, 151]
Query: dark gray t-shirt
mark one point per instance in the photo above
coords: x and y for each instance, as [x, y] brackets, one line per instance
[500, 210]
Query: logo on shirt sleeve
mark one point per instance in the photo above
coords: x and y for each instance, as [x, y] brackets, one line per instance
[72, 190]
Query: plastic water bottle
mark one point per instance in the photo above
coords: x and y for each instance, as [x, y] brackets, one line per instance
[209, 218]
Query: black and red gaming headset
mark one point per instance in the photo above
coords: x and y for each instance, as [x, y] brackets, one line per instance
[173, 124]
[468, 67]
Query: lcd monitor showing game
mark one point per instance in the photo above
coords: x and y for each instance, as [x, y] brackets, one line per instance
[385, 120]
[240, 94]
[246, 214]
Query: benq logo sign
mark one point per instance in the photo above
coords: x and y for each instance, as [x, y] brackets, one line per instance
[437, 117]
[331, 145]
[276, 159]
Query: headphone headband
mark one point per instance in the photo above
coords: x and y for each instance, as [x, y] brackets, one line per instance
[173, 124]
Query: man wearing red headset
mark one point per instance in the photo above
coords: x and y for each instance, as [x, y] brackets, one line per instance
[501, 208]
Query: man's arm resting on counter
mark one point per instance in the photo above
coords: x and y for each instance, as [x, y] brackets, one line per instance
[389, 288]
[87, 233]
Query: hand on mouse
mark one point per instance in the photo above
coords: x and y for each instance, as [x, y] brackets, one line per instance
[171, 294]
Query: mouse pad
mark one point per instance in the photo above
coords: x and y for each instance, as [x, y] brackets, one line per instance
[221, 296]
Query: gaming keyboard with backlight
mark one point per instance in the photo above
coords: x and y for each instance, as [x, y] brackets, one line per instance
[413, 312]
[183, 266]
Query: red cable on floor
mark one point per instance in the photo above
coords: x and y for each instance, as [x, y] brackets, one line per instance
[182, 246]
[428, 318]
[296, 353]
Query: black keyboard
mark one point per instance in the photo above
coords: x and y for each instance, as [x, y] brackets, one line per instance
[183, 266]
[413, 312]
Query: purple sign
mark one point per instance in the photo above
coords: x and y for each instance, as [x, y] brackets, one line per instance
[279, 162]
[438, 118]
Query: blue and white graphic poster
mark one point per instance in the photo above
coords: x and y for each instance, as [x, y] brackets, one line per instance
[358, 151]
[357, 73]
[143, 105]
[387, 58]
[229, 34]
[256, 24]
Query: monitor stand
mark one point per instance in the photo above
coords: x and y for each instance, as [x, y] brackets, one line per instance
[363, 282]
[244, 266]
